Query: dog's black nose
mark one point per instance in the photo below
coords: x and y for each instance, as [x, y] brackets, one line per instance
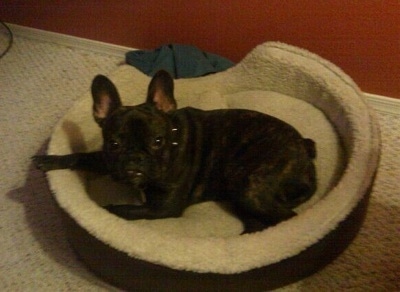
[134, 173]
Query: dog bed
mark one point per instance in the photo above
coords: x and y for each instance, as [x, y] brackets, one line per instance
[205, 248]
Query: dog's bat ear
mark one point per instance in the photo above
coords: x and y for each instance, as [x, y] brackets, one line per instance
[161, 92]
[105, 98]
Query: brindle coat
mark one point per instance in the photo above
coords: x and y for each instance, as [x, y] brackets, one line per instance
[178, 157]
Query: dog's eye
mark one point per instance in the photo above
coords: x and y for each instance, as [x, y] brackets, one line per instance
[113, 145]
[158, 143]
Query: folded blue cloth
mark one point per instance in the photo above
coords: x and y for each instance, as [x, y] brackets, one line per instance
[181, 61]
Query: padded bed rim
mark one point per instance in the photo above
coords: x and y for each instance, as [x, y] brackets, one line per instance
[125, 272]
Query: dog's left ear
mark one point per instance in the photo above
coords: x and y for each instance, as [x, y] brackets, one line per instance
[105, 98]
[161, 92]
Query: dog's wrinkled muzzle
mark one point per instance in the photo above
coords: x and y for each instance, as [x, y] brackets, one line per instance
[135, 177]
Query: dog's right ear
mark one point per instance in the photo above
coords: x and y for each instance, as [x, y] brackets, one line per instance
[105, 98]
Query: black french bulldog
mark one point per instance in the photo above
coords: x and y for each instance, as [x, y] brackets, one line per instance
[260, 164]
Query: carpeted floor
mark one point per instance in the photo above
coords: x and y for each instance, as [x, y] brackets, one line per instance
[38, 82]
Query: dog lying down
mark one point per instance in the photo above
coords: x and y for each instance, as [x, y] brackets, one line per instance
[179, 157]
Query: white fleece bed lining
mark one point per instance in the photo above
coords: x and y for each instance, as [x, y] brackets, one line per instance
[274, 78]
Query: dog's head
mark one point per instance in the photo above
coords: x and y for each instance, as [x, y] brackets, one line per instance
[137, 140]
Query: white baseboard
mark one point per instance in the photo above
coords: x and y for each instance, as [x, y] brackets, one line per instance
[70, 41]
[384, 104]
[378, 102]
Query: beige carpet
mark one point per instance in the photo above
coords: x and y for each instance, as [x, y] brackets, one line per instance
[38, 83]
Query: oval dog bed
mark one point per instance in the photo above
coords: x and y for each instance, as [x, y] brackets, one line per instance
[204, 249]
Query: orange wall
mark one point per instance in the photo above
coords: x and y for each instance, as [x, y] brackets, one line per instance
[360, 36]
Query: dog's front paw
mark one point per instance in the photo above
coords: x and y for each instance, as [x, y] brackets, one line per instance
[122, 211]
[131, 212]
[52, 162]
[44, 162]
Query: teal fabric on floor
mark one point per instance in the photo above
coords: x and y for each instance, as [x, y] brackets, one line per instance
[181, 61]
